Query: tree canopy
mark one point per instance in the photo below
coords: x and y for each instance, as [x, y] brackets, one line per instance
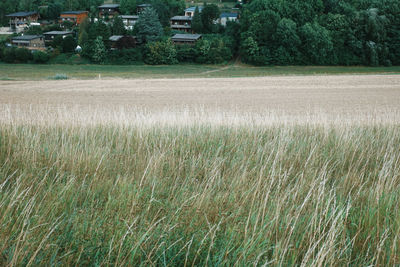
[331, 32]
[148, 26]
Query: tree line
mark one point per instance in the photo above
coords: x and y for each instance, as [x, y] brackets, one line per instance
[321, 32]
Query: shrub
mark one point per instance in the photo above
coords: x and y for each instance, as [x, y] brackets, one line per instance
[59, 76]
[58, 58]
[23, 55]
[57, 42]
[9, 55]
[186, 53]
[34, 30]
[41, 57]
[214, 49]
[163, 52]
[125, 56]
[68, 44]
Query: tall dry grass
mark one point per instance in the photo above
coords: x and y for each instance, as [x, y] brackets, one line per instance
[142, 191]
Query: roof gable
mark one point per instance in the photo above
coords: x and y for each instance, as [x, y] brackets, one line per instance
[181, 18]
[57, 33]
[26, 37]
[109, 6]
[186, 37]
[229, 15]
[22, 14]
[73, 12]
[193, 8]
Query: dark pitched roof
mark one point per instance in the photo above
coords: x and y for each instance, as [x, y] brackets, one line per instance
[22, 14]
[26, 37]
[181, 18]
[129, 17]
[186, 37]
[193, 8]
[109, 6]
[57, 33]
[115, 38]
[73, 12]
[229, 15]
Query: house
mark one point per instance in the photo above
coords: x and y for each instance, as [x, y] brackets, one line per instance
[77, 17]
[50, 36]
[22, 19]
[129, 21]
[108, 10]
[140, 8]
[189, 39]
[189, 12]
[118, 42]
[181, 23]
[225, 17]
[31, 42]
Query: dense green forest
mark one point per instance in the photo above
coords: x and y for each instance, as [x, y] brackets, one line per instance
[328, 32]
[270, 32]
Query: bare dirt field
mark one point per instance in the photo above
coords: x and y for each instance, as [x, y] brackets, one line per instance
[337, 95]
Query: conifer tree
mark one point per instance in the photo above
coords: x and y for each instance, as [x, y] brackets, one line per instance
[197, 24]
[99, 53]
[128, 7]
[148, 26]
[118, 27]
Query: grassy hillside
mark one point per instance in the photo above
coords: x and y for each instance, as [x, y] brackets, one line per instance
[200, 194]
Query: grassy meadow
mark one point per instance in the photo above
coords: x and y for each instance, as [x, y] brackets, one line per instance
[185, 194]
[43, 72]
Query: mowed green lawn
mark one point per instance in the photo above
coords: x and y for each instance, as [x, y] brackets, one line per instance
[40, 72]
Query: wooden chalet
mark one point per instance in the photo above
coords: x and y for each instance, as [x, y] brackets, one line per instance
[50, 36]
[181, 23]
[31, 42]
[189, 39]
[118, 42]
[225, 17]
[77, 17]
[108, 10]
[22, 18]
[189, 12]
[129, 21]
[141, 7]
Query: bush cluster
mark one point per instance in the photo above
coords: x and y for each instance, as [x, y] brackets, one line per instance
[125, 56]
[161, 52]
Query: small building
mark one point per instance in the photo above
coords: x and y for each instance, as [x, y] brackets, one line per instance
[77, 17]
[50, 36]
[225, 17]
[108, 10]
[118, 42]
[129, 21]
[189, 12]
[189, 39]
[22, 18]
[140, 8]
[31, 42]
[181, 23]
